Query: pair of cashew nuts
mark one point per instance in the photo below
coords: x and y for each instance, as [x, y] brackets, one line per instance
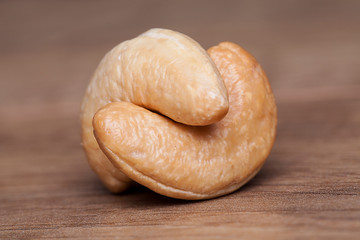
[186, 123]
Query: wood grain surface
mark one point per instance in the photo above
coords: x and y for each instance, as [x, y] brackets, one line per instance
[309, 187]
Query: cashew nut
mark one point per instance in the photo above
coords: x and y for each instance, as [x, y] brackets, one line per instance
[185, 123]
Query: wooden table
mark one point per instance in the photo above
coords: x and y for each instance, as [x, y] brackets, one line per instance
[309, 186]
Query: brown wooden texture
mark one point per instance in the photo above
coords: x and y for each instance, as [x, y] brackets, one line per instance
[308, 188]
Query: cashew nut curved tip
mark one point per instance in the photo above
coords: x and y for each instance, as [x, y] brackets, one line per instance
[186, 123]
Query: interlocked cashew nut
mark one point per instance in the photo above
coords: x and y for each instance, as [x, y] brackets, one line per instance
[181, 121]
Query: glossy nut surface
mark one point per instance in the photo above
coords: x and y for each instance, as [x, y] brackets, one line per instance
[172, 153]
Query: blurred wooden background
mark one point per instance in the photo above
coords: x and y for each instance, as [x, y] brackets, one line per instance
[310, 185]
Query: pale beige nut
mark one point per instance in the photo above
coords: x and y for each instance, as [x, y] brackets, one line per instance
[165, 72]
